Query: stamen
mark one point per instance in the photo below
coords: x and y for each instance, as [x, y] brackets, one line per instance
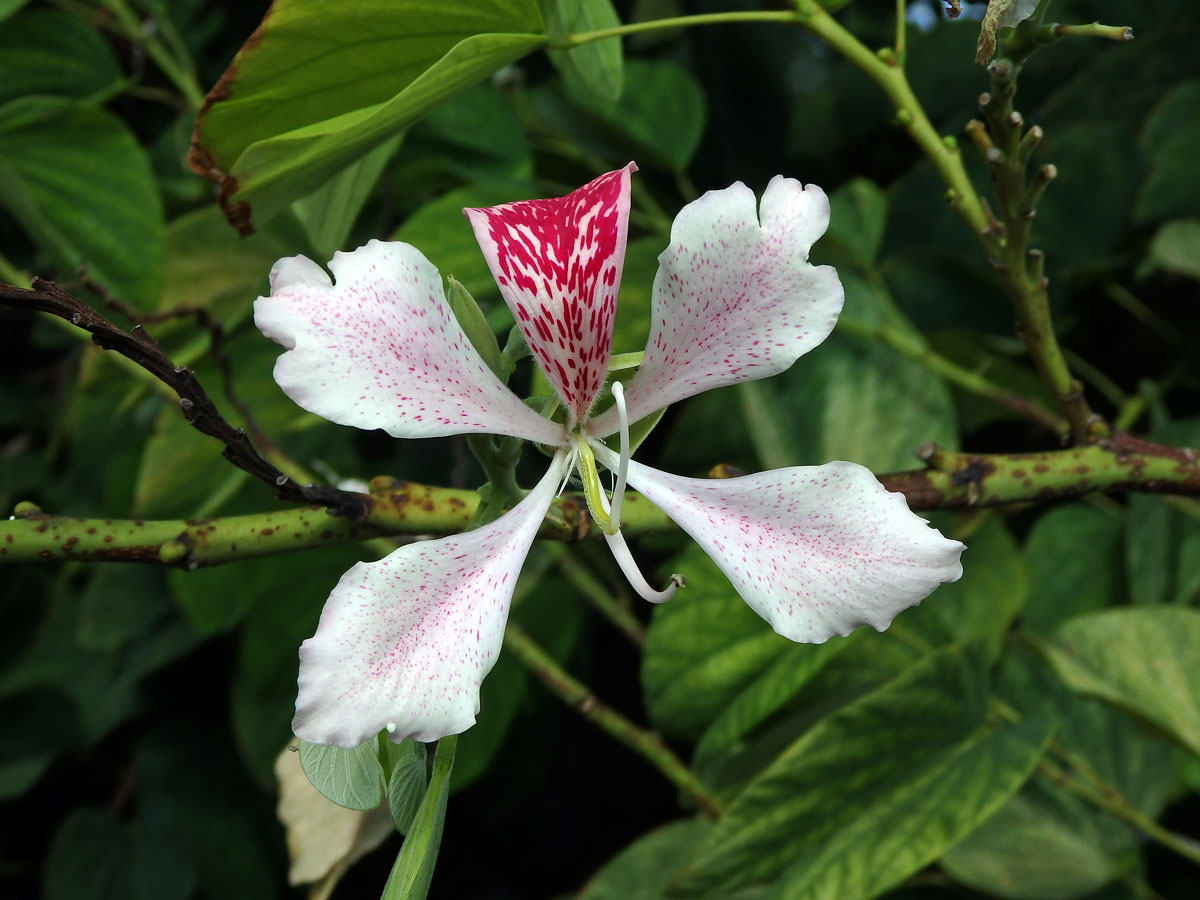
[620, 552]
[593, 491]
[618, 393]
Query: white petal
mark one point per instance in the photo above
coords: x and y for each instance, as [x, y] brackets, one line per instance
[734, 299]
[381, 349]
[815, 550]
[406, 641]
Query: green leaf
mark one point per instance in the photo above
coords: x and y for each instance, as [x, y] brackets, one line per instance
[351, 778]
[80, 184]
[643, 869]
[594, 67]
[858, 400]
[406, 786]
[282, 605]
[8, 7]
[46, 51]
[766, 694]
[984, 602]
[1170, 139]
[1073, 556]
[328, 213]
[701, 653]
[47, 727]
[872, 793]
[1046, 842]
[1150, 546]
[413, 871]
[1176, 247]
[88, 859]
[291, 113]
[441, 232]
[659, 119]
[857, 216]
[1143, 660]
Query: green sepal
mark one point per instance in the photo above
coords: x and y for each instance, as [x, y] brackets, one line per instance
[473, 323]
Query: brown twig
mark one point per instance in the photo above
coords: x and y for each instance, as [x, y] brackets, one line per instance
[198, 409]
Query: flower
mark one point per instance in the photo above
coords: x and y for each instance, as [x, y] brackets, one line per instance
[405, 642]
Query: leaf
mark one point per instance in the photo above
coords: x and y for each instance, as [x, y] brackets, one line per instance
[46, 51]
[289, 113]
[701, 653]
[858, 400]
[1143, 660]
[594, 67]
[47, 725]
[1176, 247]
[406, 786]
[1073, 556]
[442, 233]
[352, 778]
[872, 793]
[1170, 140]
[88, 859]
[323, 838]
[328, 213]
[857, 216]
[643, 869]
[79, 183]
[659, 118]
[981, 605]
[413, 871]
[766, 694]
[8, 7]
[1047, 842]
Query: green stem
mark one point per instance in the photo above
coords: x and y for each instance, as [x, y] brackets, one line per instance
[579, 696]
[941, 150]
[1094, 29]
[913, 348]
[394, 508]
[900, 47]
[566, 41]
[1089, 784]
[584, 581]
[950, 481]
[1112, 802]
[1026, 288]
[180, 74]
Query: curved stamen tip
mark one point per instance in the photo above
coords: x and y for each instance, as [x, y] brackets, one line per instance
[620, 552]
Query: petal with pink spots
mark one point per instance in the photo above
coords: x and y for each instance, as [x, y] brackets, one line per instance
[405, 642]
[735, 297]
[558, 266]
[380, 348]
[815, 550]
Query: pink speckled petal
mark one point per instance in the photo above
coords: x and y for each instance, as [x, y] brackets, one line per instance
[405, 642]
[734, 299]
[381, 349]
[816, 550]
[558, 266]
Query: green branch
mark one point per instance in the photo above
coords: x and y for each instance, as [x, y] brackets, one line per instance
[909, 346]
[395, 508]
[1006, 243]
[566, 41]
[579, 696]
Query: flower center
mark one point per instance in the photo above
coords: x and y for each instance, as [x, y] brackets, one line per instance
[607, 514]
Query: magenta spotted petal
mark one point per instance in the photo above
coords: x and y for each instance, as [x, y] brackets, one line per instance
[814, 550]
[405, 642]
[380, 348]
[735, 297]
[558, 266]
